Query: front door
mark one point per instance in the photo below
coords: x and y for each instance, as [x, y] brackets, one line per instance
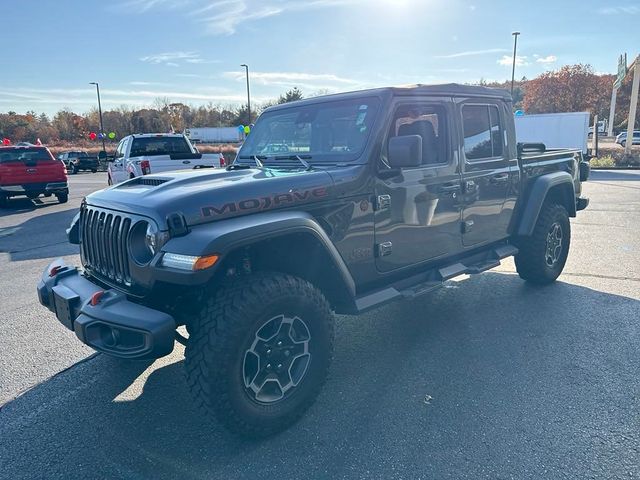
[487, 177]
[117, 171]
[418, 211]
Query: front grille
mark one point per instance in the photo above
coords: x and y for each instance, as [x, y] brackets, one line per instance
[105, 244]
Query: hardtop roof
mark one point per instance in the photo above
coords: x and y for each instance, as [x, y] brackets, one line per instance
[448, 89]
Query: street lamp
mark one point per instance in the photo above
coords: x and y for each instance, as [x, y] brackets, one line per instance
[104, 148]
[515, 50]
[246, 67]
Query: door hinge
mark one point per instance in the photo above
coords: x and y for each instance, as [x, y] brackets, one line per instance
[383, 202]
[384, 249]
[466, 226]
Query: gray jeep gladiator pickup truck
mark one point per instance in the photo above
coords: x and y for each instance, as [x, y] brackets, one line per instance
[380, 195]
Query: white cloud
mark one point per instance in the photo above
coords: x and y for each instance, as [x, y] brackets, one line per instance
[547, 59]
[622, 10]
[472, 53]
[170, 57]
[223, 17]
[507, 61]
[308, 82]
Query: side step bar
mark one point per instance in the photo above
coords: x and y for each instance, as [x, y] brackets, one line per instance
[432, 279]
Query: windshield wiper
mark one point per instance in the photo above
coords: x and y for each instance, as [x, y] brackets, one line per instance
[255, 158]
[302, 160]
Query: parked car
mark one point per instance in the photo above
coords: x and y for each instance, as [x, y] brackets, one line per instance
[621, 139]
[31, 171]
[391, 192]
[142, 154]
[78, 160]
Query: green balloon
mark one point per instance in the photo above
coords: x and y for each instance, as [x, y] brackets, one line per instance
[247, 130]
[112, 135]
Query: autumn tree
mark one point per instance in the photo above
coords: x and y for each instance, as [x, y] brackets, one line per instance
[573, 88]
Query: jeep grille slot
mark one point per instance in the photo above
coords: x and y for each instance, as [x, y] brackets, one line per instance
[104, 244]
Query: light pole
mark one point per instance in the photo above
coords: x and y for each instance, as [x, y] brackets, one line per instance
[246, 67]
[515, 50]
[104, 148]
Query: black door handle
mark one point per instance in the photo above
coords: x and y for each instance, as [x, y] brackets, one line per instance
[500, 178]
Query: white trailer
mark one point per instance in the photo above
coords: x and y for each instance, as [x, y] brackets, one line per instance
[555, 130]
[214, 135]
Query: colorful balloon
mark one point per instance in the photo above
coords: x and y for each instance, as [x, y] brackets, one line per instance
[112, 135]
[241, 128]
[92, 135]
[247, 130]
[6, 141]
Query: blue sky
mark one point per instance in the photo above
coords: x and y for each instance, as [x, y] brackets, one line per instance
[190, 50]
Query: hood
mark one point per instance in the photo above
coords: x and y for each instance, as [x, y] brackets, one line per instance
[206, 195]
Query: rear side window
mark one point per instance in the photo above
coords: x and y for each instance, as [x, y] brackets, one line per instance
[149, 146]
[482, 132]
[25, 155]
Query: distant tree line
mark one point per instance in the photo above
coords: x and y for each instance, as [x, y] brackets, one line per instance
[162, 116]
[570, 89]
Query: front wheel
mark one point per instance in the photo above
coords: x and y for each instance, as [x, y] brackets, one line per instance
[542, 256]
[62, 197]
[259, 352]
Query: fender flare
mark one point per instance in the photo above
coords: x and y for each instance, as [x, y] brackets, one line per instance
[537, 195]
[224, 236]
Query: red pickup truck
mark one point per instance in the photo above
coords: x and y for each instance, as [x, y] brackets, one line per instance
[31, 171]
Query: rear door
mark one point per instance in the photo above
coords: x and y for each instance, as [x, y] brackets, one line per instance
[417, 215]
[488, 195]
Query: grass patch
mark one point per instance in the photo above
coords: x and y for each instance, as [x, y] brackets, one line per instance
[603, 162]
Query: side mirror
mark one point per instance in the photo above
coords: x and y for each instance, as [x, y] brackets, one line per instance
[405, 151]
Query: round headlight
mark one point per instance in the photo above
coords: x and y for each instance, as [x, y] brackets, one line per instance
[151, 238]
[143, 242]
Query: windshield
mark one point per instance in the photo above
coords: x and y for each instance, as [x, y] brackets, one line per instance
[150, 146]
[329, 131]
[25, 155]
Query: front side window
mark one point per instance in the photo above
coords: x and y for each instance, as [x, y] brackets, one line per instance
[482, 132]
[330, 131]
[428, 122]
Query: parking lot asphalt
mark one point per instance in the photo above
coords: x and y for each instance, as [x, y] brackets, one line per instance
[485, 378]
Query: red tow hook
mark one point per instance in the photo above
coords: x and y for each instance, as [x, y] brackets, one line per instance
[95, 298]
[54, 271]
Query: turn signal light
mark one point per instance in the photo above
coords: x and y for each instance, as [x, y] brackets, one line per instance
[145, 165]
[205, 262]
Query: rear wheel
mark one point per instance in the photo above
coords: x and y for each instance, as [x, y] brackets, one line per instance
[74, 169]
[260, 352]
[4, 200]
[542, 256]
[94, 170]
[62, 197]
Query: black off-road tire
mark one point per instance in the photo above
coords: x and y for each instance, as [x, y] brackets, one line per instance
[74, 170]
[94, 170]
[62, 197]
[222, 335]
[4, 201]
[532, 262]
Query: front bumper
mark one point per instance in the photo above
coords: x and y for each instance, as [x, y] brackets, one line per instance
[111, 324]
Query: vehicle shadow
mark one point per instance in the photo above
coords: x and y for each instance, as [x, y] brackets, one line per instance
[43, 236]
[510, 381]
[24, 205]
